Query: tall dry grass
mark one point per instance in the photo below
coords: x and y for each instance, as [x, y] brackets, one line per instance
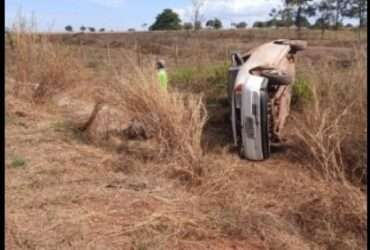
[176, 119]
[332, 126]
[32, 59]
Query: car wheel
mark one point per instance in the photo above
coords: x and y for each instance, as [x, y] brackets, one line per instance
[276, 76]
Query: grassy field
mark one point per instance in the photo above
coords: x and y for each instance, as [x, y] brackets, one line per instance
[186, 187]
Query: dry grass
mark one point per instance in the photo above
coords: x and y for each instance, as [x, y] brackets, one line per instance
[35, 60]
[88, 196]
[332, 127]
[175, 119]
[283, 208]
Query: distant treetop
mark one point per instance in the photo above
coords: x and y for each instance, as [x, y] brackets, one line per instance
[167, 20]
[241, 25]
[214, 23]
[68, 28]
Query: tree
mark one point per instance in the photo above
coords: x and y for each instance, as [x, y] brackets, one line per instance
[197, 5]
[188, 26]
[131, 30]
[167, 20]
[82, 28]
[241, 25]
[102, 30]
[305, 22]
[332, 12]
[144, 25]
[217, 24]
[68, 28]
[341, 8]
[258, 24]
[336, 9]
[321, 23]
[358, 9]
[300, 8]
[198, 25]
[210, 23]
[214, 23]
[326, 16]
[91, 29]
[281, 18]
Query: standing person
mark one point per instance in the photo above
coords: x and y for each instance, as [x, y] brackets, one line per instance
[162, 75]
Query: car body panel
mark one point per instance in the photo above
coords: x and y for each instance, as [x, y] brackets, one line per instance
[251, 118]
[276, 56]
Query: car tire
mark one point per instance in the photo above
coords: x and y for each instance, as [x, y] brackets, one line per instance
[276, 77]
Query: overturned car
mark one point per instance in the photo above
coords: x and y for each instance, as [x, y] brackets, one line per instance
[259, 90]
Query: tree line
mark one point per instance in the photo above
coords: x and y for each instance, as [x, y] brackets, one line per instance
[328, 14]
[69, 28]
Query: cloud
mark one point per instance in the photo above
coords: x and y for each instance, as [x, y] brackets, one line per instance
[184, 13]
[232, 10]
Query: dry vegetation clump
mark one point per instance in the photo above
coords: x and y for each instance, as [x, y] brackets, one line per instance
[283, 209]
[332, 126]
[175, 120]
[333, 216]
[174, 226]
[34, 60]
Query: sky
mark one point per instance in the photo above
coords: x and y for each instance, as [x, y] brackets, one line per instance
[119, 15]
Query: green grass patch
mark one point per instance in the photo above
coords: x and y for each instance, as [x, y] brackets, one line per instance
[186, 75]
[18, 161]
[301, 92]
[210, 80]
